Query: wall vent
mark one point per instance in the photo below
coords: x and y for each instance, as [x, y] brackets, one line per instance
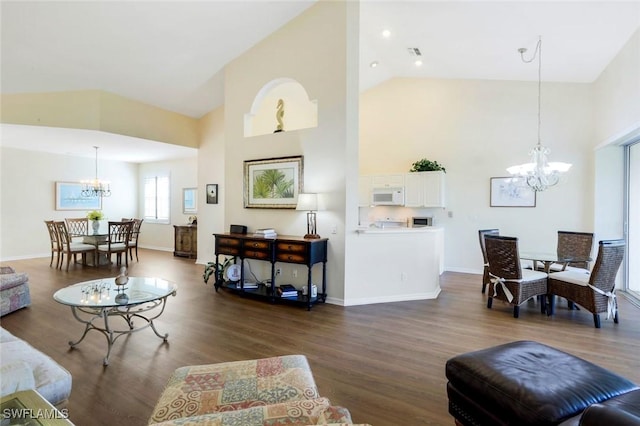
[414, 51]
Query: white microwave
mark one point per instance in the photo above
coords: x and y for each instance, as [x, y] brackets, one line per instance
[387, 196]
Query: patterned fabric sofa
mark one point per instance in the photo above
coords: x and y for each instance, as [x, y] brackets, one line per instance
[14, 290]
[24, 367]
[271, 391]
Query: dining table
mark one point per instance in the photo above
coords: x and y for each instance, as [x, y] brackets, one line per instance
[549, 258]
[97, 237]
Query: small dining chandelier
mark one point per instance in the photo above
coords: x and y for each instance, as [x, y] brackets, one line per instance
[96, 187]
[540, 173]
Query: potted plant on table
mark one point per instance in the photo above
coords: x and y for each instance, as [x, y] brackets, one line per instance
[95, 217]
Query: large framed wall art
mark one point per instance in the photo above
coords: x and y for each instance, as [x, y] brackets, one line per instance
[273, 183]
[511, 192]
[69, 197]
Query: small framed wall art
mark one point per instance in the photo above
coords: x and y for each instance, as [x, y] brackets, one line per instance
[511, 192]
[212, 193]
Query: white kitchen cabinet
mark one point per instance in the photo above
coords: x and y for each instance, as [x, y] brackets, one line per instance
[424, 189]
[387, 181]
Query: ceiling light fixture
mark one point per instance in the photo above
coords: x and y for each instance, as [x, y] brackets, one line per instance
[373, 64]
[418, 63]
[540, 173]
[96, 187]
[386, 33]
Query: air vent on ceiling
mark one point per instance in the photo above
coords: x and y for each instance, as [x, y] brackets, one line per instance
[414, 51]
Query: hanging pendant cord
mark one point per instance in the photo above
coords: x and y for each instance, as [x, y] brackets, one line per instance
[537, 53]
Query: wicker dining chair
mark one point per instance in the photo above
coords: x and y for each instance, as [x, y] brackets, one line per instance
[573, 244]
[509, 281]
[485, 274]
[595, 292]
[119, 235]
[56, 247]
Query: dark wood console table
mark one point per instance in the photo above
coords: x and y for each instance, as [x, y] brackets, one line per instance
[284, 248]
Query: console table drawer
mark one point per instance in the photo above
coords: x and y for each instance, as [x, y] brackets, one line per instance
[250, 245]
[291, 247]
[231, 251]
[291, 258]
[255, 254]
[228, 242]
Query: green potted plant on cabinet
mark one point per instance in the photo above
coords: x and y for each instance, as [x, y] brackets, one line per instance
[425, 165]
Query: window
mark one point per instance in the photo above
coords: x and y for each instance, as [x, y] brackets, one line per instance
[156, 199]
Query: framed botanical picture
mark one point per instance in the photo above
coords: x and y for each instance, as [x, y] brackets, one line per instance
[212, 193]
[273, 183]
[69, 197]
[511, 192]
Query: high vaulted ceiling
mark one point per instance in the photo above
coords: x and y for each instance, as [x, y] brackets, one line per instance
[172, 54]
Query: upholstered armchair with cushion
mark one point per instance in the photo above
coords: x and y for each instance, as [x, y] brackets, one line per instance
[14, 290]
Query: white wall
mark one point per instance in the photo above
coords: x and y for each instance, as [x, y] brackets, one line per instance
[183, 174]
[617, 112]
[27, 196]
[476, 129]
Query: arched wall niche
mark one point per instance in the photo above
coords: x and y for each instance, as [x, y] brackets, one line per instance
[299, 111]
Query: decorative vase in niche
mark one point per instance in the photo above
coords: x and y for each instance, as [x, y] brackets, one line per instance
[95, 225]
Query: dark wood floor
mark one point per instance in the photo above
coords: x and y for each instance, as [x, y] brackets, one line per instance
[384, 362]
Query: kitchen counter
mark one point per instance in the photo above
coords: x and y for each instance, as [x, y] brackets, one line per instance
[395, 264]
[396, 229]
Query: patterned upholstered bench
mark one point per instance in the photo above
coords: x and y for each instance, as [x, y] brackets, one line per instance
[14, 290]
[270, 391]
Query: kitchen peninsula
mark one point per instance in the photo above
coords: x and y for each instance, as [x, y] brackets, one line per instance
[397, 264]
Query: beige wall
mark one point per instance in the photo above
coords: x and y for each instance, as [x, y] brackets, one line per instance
[97, 110]
[476, 129]
[211, 169]
[312, 49]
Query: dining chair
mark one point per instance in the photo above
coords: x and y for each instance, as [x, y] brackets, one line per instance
[576, 245]
[77, 227]
[133, 240]
[595, 292]
[56, 247]
[485, 274]
[70, 248]
[508, 280]
[117, 242]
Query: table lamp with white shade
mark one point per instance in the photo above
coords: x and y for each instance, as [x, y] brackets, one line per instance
[309, 202]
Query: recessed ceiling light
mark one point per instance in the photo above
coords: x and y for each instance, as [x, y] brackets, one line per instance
[418, 63]
[386, 33]
[373, 64]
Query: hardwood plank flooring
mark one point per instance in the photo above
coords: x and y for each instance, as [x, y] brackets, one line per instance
[384, 362]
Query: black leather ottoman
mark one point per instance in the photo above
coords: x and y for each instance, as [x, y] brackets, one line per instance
[526, 383]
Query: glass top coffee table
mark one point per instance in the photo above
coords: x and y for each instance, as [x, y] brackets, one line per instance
[94, 302]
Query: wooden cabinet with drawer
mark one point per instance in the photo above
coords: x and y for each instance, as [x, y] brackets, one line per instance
[286, 249]
[185, 242]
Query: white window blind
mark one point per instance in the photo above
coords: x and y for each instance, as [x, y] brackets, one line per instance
[156, 199]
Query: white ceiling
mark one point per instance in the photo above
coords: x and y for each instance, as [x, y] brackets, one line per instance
[171, 54]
